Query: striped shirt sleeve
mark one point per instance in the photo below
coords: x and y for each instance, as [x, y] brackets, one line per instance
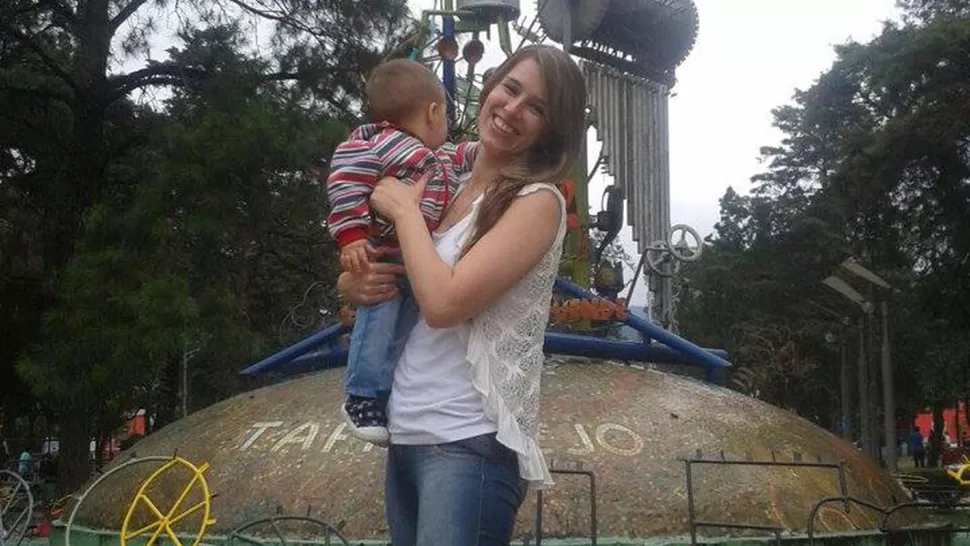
[353, 173]
[465, 154]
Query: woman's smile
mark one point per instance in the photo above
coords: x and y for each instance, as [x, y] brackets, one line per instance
[502, 126]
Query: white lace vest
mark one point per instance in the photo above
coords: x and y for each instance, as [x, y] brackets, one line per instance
[505, 356]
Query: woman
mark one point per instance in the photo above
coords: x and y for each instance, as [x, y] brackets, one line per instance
[463, 412]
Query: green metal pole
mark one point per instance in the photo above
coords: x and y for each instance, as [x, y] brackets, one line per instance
[576, 246]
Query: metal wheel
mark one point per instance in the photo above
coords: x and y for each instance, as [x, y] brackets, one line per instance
[189, 502]
[163, 459]
[685, 243]
[660, 260]
[16, 508]
[270, 532]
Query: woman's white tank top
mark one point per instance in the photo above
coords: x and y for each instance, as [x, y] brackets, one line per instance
[432, 399]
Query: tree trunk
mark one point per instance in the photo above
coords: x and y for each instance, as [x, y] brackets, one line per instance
[936, 438]
[74, 464]
[167, 399]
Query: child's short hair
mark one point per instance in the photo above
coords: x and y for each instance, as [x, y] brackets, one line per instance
[396, 89]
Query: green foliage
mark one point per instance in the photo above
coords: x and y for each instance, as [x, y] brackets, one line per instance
[874, 164]
[137, 232]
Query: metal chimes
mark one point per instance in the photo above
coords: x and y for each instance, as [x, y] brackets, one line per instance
[631, 123]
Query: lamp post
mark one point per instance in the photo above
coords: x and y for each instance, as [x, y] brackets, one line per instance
[862, 368]
[845, 404]
[850, 265]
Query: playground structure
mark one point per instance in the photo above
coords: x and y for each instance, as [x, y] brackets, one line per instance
[16, 508]
[628, 76]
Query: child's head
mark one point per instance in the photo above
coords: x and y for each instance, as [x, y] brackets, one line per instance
[407, 94]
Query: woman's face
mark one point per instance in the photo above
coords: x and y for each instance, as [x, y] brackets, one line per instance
[514, 115]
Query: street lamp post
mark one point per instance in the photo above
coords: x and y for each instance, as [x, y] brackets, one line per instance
[845, 403]
[888, 399]
[889, 408]
[862, 366]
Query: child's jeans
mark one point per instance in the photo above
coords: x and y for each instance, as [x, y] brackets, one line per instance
[377, 341]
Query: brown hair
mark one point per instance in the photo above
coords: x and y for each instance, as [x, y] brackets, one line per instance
[397, 89]
[554, 153]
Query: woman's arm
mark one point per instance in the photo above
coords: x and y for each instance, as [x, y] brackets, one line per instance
[450, 295]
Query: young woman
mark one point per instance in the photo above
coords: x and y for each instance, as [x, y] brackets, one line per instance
[464, 409]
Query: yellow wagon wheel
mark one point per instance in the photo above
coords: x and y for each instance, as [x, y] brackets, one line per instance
[168, 517]
[957, 471]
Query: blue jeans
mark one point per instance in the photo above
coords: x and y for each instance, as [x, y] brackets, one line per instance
[376, 342]
[463, 493]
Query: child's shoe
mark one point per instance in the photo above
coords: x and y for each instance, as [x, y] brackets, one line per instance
[366, 419]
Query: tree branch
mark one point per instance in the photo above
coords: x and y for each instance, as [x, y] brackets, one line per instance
[280, 18]
[155, 74]
[125, 12]
[173, 74]
[29, 43]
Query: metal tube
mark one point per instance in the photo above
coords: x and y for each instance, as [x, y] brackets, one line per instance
[606, 121]
[538, 530]
[579, 345]
[889, 407]
[691, 516]
[655, 176]
[448, 65]
[665, 159]
[298, 349]
[791, 464]
[663, 207]
[642, 218]
[863, 383]
[504, 39]
[615, 146]
[639, 153]
[640, 191]
[844, 380]
[618, 136]
[602, 117]
[655, 166]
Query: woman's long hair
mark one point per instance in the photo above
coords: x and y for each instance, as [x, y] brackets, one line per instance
[554, 153]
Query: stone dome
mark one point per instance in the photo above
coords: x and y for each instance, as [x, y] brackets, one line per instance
[283, 448]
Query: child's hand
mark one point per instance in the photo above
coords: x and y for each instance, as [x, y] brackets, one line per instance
[355, 256]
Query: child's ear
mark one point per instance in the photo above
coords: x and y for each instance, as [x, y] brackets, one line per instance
[433, 111]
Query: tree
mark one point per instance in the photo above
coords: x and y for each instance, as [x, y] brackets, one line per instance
[923, 11]
[874, 164]
[118, 215]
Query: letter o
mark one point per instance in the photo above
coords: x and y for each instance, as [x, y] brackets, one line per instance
[635, 439]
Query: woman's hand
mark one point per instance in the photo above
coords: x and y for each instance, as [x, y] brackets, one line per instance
[376, 284]
[393, 198]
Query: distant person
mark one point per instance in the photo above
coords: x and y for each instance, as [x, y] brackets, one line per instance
[23, 468]
[917, 449]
